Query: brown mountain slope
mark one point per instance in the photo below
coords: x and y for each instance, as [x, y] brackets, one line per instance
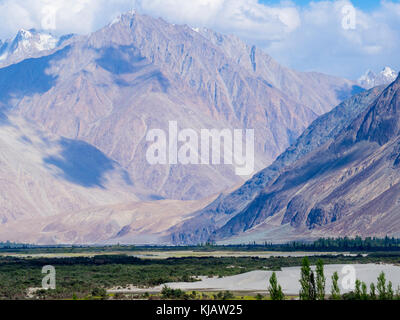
[42, 174]
[227, 206]
[57, 190]
[128, 222]
[111, 87]
[346, 187]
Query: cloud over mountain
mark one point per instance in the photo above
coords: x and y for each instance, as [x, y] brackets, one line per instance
[309, 37]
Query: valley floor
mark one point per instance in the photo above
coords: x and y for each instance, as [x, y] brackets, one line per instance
[178, 274]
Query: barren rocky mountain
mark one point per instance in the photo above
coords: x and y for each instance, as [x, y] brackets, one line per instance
[75, 112]
[59, 190]
[347, 186]
[124, 223]
[224, 218]
[110, 87]
[43, 174]
[219, 213]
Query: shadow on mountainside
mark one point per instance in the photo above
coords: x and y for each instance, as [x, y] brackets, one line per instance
[125, 60]
[28, 77]
[81, 163]
[121, 60]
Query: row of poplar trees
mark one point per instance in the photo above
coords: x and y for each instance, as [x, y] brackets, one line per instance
[313, 286]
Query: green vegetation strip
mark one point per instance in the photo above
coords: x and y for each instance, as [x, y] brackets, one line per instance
[345, 244]
[79, 277]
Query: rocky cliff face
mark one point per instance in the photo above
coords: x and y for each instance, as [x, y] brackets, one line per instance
[220, 216]
[109, 88]
[75, 111]
[348, 186]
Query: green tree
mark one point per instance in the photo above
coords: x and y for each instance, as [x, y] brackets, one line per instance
[321, 280]
[364, 291]
[381, 286]
[228, 295]
[99, 292]
[357, 292]
[313, 291]
[397, 297]
[390, 293]
[305, 281]
[169, 293]
[274, 289]
[372, 291]
[335, 292]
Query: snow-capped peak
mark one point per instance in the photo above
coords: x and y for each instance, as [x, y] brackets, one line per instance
[25, 34]
[370, 79]
[129, 14]
[389, 73]
[115, 20]
[25, 44]
[32, 39]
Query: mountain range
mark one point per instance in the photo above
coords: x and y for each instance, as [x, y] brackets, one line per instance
[370, 79]
[218, 214]
[138, 73]
[346, 186]
[75, 111]
[27, 44]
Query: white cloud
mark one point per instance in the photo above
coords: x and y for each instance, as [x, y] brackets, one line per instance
[82, 16]
[305, 38]
[246, 18]
[67, 16]
[322, 44]
[310, 38]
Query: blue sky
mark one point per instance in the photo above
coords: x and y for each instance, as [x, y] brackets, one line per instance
[304, 35]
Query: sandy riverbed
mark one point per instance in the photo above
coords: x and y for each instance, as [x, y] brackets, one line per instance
[288, 278]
